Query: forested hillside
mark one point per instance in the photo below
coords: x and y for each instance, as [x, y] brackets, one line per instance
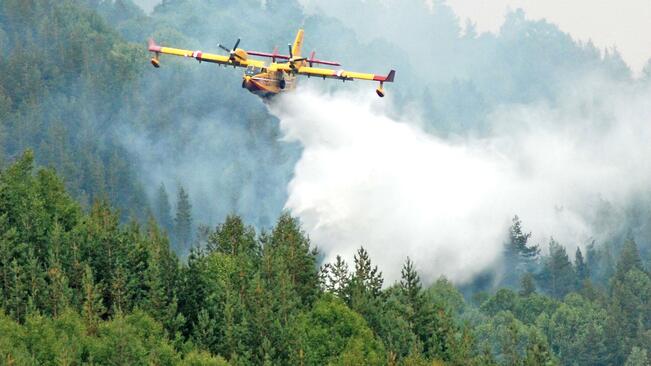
[141, 215]
[80, 287]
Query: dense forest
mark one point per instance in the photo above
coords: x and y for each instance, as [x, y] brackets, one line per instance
[78, 287]
[114, 251]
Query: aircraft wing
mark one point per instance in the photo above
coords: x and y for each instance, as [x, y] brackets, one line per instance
[336, 74]
[201, 56]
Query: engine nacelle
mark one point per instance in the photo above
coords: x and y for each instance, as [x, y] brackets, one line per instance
[379, 91]
[241, 55]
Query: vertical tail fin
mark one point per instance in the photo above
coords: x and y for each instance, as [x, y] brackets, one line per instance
[298, 44]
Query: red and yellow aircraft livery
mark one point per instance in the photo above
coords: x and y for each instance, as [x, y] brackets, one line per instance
[270, 79]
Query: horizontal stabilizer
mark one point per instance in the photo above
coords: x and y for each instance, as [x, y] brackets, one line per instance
[287, 57]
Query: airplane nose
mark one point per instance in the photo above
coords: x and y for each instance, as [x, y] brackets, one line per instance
[246, 82]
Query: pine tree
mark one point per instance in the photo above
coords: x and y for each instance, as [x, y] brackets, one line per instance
[519, 256]
[367, 278]
[36, 285]
[527, 285]
[629, 258]
[17, 291]
[410, 284]
[289, 251]
[538, 352]
[93, 308]
[234, 238]
[164, 209]
[593, 261]
[119, 290]
[59, 292]
[337, 278]
[557, 276]
[183, 222]
[203, 333]
[580, 267]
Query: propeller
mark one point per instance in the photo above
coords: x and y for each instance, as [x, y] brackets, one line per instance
[231, 52]
[293, 60]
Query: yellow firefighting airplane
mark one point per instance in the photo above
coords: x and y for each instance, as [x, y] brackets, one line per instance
[265, 79]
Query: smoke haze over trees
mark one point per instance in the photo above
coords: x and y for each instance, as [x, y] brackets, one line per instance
[493, 209]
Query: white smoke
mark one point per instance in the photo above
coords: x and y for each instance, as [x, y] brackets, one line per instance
[365, 179]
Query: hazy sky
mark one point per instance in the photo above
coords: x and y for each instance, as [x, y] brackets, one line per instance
[625, 23]
[148, 5]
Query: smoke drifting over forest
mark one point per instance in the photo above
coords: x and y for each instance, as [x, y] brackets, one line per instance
[477, 128]
[368, 179]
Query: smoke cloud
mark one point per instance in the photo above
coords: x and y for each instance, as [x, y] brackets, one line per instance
[366, 179]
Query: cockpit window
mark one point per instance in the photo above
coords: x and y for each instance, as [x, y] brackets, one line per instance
[252, 70]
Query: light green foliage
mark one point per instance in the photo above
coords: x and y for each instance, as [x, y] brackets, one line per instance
[135, 339]
[332, 333]
[638, 357]
[202, 358]
[512, 342]
[444, 293]
[393, 326]
[12, 346]
[576, 331]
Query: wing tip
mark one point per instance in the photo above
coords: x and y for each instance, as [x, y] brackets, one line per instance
[391, 76]
[152, 46]
[386, 79]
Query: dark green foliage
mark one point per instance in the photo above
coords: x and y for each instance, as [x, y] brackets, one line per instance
[164, 209]
[63, 74]
[519, 256]
[629, 259]
[366, 281]
[82, 287]
[337, 278]
[580, 266]
[183, 222]
[82, 282]
[527, 285]
[557, 276]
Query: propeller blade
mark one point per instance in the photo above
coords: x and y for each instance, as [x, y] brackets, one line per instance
[236, 44]
[224, 48]
[290, 51]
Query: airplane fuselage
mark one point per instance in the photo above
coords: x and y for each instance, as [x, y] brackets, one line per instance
[267, 83]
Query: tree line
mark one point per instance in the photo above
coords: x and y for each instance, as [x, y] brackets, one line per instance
[77, 286]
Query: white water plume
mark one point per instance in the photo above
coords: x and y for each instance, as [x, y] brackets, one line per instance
[367, 179]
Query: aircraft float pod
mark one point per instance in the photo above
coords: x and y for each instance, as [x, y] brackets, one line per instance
[268, 79]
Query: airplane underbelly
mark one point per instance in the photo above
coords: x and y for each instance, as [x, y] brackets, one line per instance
[264, 86]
